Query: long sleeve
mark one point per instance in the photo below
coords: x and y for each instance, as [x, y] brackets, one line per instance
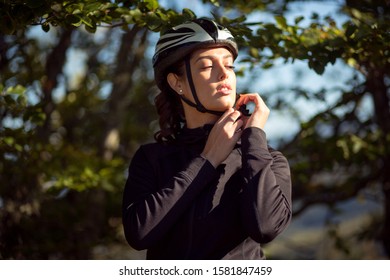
[150, 210]
[266, 198]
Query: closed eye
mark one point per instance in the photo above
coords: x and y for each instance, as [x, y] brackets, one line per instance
[211, 66]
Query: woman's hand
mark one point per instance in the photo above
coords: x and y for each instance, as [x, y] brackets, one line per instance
[223, 137]
[260, 114]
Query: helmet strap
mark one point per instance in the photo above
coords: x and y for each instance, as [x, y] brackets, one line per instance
[197, 105]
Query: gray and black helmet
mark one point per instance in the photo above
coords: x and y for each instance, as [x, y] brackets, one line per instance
[178, 42]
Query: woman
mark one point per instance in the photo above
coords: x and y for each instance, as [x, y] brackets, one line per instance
[210, 188]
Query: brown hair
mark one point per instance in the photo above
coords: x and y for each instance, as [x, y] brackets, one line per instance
[169, 107]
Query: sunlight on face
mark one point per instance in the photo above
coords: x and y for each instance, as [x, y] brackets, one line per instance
[214, 78]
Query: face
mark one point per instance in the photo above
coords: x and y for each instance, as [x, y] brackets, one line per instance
[214, 78]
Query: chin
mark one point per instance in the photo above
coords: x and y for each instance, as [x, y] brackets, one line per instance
[222, 103]
[229, 103]
[222, 107]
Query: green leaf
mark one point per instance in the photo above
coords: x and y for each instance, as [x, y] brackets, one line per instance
[350, 30]
[267, 65]
[19, 90]
[88, 21]
[148, 5]
[281, 22]
[254, 52]
[108, 6]
[73, 20]
[187, 13]
[77, 12]
[91, 7]
[299, 19]
[153, 22]
[9, 140]
[152, 4]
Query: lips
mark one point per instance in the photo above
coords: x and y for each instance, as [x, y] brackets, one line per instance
[224, 88]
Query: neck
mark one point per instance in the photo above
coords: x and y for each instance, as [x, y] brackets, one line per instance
[195, 119]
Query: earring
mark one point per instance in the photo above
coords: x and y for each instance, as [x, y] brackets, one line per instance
[180, 91]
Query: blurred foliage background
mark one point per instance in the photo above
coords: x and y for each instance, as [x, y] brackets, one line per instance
[76, 100]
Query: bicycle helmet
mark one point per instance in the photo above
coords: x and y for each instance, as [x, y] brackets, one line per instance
[178, 42]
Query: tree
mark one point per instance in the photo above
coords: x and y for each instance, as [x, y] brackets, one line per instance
[354, 150]
[64, 156]
[57, 153]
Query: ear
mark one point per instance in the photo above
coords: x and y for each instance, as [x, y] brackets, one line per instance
[174, 82]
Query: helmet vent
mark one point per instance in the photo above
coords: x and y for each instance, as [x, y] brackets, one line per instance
[209, 27]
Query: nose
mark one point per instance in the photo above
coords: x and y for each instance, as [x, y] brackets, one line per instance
[223, 74]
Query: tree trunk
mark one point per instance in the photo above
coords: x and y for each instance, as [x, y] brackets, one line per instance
[377, 86]
[130, 54]
[53, 69]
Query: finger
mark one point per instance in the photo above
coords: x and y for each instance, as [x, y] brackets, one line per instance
[247, 97]
[232, 116]
[235, 116]
[225, 115]
[238, 128]
[238, 124]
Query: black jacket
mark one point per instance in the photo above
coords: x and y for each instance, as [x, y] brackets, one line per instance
[178, 206]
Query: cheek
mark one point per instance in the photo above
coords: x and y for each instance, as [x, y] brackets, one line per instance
[202, 83]
[233, 79]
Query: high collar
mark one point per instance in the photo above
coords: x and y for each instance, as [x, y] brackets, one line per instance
[195, 136]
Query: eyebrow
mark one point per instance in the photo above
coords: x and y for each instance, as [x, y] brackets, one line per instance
[211, 57]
